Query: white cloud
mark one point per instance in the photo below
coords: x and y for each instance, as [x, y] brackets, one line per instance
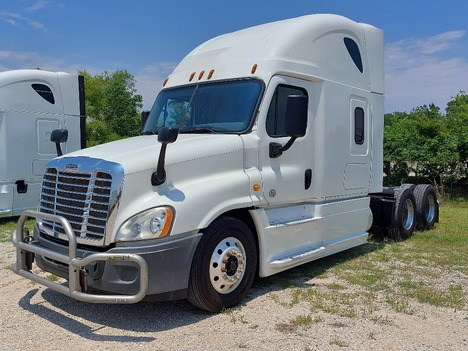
[149, 81]
[421, 71]
[15, 19]
[10, 60]
[38, 5]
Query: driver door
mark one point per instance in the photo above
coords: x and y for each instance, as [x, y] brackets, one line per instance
[293, 232]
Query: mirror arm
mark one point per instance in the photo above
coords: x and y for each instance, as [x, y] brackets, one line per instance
[165, 136]
[159, 177]
[59, 149]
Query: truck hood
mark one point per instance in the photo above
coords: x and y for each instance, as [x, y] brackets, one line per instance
[141, 153]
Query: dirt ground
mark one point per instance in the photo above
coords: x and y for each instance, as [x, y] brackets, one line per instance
[34, 317]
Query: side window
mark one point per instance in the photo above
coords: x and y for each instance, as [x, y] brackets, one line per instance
[44, 91]
[276, 117]
[354, 52]
[359, 125]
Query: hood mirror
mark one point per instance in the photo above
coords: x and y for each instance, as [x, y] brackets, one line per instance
[59, 136]
[165, 136]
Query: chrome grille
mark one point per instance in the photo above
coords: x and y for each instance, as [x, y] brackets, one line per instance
[84, 199]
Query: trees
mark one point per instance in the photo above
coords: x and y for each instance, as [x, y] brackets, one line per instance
[457, 119]
[112, 106]
[428, 144]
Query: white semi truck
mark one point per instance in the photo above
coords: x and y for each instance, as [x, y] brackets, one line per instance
[262, 152]
[34, 103]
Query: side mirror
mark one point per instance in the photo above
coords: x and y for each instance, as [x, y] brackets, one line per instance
[144, 118]
[165, 136]
[59, 136]
[296, 115]
[296, 123]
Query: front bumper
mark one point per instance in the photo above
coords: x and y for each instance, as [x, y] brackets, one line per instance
[129, 271]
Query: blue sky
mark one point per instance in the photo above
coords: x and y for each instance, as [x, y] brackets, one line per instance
[426, 41]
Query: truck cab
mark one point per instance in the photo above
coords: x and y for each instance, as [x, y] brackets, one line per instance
[34, 103]
[262, 152]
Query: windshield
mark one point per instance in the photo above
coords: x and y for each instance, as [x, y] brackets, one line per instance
[223, 107]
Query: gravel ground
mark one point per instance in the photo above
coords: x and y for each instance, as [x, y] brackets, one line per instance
[33, 317]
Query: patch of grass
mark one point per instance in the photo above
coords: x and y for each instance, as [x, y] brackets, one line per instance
[299, 322]
[384, 320]
[336, 286]
[400, 305]
[398, 274]
[9, 267]
[368, 277]
[302, 320]
[52, 277]
[235, 315]
[338, 303]
[7, 225]
[338, 342]
[306, 320]
[240, 318]
[452, 297]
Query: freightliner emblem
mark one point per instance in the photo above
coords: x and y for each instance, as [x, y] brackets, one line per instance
[71, 167]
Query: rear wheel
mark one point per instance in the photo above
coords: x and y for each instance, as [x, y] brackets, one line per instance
[426, 206]
[404, 217]
[224, 265]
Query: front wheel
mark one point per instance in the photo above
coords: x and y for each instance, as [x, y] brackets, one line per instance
[224, 265]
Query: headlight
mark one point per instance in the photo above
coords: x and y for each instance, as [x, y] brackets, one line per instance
[150, 224]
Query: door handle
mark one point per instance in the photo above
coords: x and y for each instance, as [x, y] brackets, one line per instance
[307, 179]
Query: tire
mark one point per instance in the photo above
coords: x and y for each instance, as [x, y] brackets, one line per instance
[224, 266]
[427, 206]
[404, 219]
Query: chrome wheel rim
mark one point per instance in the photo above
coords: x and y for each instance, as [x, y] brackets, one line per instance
[431, 208]
[408, 214]
[227, 265]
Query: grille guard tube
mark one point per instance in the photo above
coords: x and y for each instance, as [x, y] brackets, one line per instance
[74, 263]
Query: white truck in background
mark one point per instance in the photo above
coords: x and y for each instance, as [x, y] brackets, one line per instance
[34, 103]
[262, 152]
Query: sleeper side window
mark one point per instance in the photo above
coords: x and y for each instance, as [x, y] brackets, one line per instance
[276, 117]
[354, 52]
[359, 125]
[44, 91]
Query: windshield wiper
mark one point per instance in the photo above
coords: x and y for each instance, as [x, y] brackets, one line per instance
[149, 132]
[196, 130]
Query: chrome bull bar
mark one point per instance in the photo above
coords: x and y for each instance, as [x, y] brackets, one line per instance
[76, 273]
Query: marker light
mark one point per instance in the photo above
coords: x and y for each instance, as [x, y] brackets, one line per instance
[191, 76]
[210, 74]
[256, 187]
[201, 75]
[254, 69]
[165, 82]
